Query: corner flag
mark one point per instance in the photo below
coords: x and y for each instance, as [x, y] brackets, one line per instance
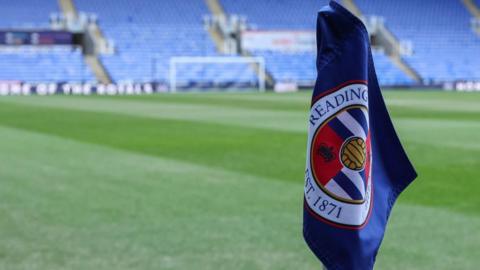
[356, 166]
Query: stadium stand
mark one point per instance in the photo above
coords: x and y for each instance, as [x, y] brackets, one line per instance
[445, 47]
[387, 72]
[148, 33]
[26, 13]
[56, 64]
[290, 67]
[300, 67]
[33, 64]
[289, 15]
[283, 14]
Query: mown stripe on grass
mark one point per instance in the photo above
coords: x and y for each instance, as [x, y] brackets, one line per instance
[225, 115]
[267, 153]
[453, 134]
[446, 172]
[420, 237]
[198, 108]
[73, 205]
[262, 101]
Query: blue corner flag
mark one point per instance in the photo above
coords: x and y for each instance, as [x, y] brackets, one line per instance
[356, 166]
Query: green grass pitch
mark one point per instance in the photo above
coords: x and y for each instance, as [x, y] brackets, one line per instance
[215, 181]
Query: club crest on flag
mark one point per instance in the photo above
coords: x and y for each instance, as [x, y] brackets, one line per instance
[338, 177]
[356, 166]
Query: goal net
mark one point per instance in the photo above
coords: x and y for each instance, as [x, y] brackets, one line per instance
[216, 73]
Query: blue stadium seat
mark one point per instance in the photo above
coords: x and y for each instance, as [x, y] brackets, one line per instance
[148, 33]
[290, 67]
[445, 47]
[290, 15]
[27, 13]
[277, 14]
[56, 64]
[387, 72]
[30, 64]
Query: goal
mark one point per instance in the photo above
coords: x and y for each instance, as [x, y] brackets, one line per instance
[216, 73]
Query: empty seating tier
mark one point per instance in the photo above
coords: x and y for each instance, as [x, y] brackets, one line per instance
[445, 46]
[30, 64]
[148, 33]
[292, 16]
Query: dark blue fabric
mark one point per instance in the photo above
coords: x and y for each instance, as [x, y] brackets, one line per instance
[346, 184]
[340, 128]
[343, 56]
[358, 115]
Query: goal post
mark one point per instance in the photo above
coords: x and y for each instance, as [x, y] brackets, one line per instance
[219, 65]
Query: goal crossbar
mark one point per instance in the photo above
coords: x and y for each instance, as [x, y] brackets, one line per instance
[259, 69]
